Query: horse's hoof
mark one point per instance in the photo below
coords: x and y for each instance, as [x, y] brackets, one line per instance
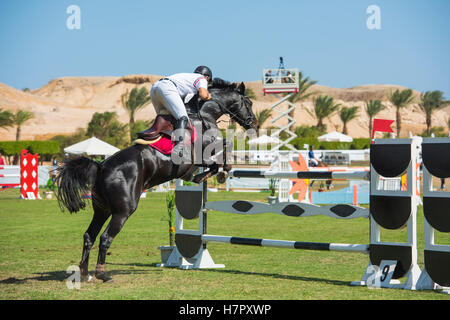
[196, 180]
[222, 177]
[100, 273]
[104, 277]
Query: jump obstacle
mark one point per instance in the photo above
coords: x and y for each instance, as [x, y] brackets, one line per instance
[393, 210]
[316, 175]
[29, 185]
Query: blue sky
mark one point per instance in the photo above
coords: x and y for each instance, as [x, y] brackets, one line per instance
[326, 39]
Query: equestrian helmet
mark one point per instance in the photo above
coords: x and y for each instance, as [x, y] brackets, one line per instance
[204, 70]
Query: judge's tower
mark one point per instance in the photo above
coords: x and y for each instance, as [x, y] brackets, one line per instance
[282, 83]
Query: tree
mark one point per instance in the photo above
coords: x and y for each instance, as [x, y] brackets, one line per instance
[347, 114]
[434, 132]
[19, 118]
[429, 102]
[134, 101]
[6, 119]
[324, 107]
[100, 124]
[400, 99]
[107, 127]
[16, 119]
[373, 107]
[302, 95]
[262, 117]
[305, 131]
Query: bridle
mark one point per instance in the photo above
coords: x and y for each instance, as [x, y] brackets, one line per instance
[248, 121]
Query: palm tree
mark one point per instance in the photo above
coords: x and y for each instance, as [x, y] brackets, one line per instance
[400, 99]
[19, 118]
[429, 102]
[324, 107]
[262, 117]
[100, 124]
[347, 114]
[373, 107]
[301, 95]
[133, 101]
[6, 119]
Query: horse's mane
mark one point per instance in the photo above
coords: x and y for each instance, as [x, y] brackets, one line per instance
[218, 83]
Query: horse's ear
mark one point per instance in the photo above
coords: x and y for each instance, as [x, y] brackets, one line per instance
[242, 88]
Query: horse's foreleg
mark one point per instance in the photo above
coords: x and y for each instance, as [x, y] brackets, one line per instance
[114, 227]
[212, 170]
[89, 237]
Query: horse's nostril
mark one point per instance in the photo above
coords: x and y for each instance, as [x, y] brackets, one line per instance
[250, 122]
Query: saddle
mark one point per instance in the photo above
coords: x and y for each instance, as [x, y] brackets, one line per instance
[163, 124]
[159, 135]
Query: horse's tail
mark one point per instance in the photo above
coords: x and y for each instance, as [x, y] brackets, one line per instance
[74, 179]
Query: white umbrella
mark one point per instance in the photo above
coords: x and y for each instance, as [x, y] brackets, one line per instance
[92, 146]
[264, 139]
[335, 137]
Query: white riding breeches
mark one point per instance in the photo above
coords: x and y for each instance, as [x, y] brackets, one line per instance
[165, 97]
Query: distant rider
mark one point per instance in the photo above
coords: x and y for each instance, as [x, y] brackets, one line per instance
[312, 159]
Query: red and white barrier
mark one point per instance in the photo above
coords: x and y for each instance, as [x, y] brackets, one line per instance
[29, 185]
[5, 172]
[27, 175]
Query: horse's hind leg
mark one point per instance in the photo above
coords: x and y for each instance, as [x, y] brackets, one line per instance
[99, 218]
[114, 227]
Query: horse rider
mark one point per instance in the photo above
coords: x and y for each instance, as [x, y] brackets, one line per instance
[172, 92]
[312, 159]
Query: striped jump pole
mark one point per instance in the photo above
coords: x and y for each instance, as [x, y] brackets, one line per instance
[316, 175]
[343, 247]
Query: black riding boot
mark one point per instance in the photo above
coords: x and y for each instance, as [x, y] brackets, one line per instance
[180, 132]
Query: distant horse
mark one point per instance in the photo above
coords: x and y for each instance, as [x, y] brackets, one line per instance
[117, 183]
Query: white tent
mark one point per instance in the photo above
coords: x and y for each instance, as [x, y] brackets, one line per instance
[335, 137]
[92, 147]
[264, 139]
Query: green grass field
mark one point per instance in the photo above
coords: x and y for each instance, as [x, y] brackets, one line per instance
[38, 243]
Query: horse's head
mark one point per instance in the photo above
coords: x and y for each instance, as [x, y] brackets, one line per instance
[232, 101]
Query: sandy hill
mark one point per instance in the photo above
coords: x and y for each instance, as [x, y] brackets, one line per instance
[65, 104]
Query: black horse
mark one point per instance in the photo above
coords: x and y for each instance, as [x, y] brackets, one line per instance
[117, 183]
